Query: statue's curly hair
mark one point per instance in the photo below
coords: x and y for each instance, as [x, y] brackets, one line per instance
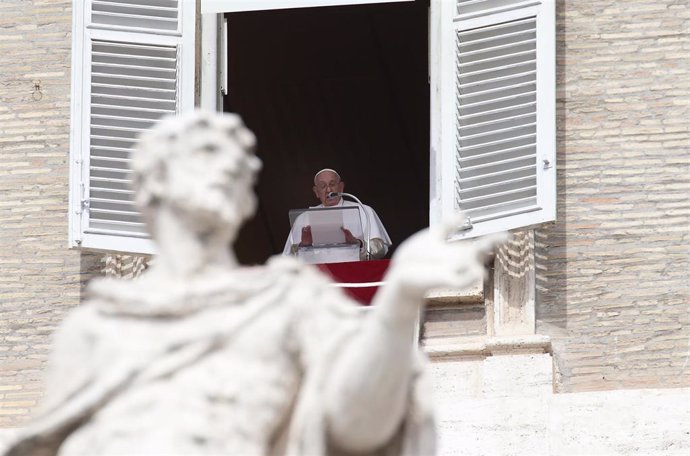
[185, 134]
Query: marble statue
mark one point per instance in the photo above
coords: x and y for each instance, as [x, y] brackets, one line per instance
[200, 356]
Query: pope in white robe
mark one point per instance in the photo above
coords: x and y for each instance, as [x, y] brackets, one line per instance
[364, 228]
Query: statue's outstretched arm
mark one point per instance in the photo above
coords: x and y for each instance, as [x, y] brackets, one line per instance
[369, 389]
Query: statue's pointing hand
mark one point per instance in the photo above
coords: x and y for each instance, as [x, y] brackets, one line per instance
[428, 260]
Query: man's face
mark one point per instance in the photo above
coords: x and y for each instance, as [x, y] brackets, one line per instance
[213, 184]
[325, 183]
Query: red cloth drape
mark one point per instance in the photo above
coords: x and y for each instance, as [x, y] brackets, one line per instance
[357, 272]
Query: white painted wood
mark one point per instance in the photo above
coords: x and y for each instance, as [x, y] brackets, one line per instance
[231, 6]
[210, 69]
[110, 243]
[517, 190]
[497, 18]
[75, 159]
[119, 107]
[546, 110]
[187, 56]
[475, 9]
[442, 72]
[162, 17]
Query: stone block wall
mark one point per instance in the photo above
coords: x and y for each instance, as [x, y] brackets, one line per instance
[504, 405]
[613, 273]
[40, 279]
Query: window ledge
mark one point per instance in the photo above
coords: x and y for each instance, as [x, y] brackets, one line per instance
[489, 346]
[443, 297]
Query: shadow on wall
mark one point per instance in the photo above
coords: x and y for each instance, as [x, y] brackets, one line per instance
[90, 266]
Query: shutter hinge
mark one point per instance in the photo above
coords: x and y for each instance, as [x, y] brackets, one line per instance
[83, 206]
[83, 203]
[547, 164]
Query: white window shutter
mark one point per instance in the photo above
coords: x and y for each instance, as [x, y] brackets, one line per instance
[132, 63]
[493, 113]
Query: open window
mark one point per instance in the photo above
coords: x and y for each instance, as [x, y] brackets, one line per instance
[333, 87]
[487, 122]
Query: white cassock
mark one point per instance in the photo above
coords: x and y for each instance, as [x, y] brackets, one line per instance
[377, 228]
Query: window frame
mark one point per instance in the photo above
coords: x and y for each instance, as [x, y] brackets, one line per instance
[442, 19]
[444, 22]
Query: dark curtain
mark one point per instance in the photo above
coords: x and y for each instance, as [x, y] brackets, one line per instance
[337, 87]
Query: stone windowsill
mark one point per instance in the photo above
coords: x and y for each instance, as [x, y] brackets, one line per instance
[488, 346]
[451, 296]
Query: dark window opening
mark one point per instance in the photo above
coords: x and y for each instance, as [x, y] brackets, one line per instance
[340, 87]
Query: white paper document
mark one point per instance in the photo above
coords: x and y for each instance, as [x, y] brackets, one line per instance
[326, 224]
[326, 227]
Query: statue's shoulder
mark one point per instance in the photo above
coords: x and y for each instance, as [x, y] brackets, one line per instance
[156, 295]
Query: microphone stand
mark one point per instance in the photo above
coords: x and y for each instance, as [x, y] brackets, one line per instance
[366, 215]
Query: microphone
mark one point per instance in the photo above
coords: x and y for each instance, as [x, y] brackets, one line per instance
[366, 215]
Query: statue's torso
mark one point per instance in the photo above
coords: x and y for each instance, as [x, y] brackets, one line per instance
[235, 399]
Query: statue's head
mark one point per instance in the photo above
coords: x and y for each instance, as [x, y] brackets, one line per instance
[202, 167]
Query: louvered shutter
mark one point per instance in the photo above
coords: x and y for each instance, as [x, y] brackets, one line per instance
[133, 63]
[493, 129]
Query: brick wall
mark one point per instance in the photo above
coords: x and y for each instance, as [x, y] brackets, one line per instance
[39, 277]
[613, 274]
